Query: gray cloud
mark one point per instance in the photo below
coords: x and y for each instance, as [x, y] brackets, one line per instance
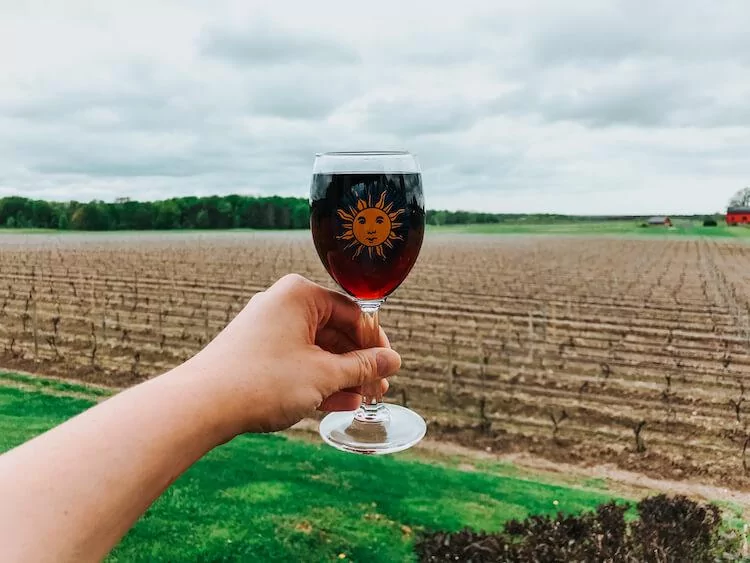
[609, 32]
[595, 108]
[301, 93]
[419, 117]
[266, 44]
[648, 102]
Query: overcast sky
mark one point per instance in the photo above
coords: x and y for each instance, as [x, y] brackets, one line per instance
[574, 107]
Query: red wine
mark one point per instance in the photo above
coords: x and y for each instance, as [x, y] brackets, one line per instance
[367, 229]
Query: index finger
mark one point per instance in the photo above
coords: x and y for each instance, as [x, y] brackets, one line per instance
[345, 316]
[336, 310]
[325, 307]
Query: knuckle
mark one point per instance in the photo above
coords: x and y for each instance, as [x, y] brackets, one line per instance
[293, 284]
[323, 367]
[256, 299]
[293, 280]
[365, 365]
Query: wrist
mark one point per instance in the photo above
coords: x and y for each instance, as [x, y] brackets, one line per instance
[230, 404]
[203, 403]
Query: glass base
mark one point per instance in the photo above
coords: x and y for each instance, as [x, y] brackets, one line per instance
[399, 430]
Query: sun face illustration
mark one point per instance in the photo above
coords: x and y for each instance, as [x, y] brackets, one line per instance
[370, 226]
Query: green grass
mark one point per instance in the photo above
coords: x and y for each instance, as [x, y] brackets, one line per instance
[591, 228]
[25, 414]
[27, 231]
[267, 497]
[55, 385]
[136, 232]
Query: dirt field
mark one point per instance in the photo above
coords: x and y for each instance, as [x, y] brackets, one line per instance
[562, 347]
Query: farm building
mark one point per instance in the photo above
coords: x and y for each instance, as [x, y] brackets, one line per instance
[738, 215]
[659, 221]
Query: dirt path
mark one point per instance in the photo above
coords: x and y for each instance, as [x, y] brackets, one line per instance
[625, 483]
[631, 481]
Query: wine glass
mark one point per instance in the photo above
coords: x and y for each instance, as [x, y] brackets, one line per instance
[367, 219]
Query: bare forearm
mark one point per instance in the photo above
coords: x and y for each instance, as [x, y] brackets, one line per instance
[72, 493]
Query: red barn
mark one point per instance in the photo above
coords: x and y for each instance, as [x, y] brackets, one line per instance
[738, 215]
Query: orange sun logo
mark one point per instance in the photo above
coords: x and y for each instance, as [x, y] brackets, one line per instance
[370, 226]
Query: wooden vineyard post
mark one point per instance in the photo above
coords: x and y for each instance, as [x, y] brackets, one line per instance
[485, 424]
[94, 345]
[205, 323]
[105, 302]
[451, 371]
[34, 324]
[508, 337]
[552, 321]
[136, 363]
[640, 446]
[52, 340]
[104, 318]
[135, 291]
[531, 338]
[451, 374]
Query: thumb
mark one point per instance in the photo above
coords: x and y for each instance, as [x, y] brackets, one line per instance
[360, 366]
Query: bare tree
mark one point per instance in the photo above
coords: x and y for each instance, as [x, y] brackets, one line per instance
[741, 198]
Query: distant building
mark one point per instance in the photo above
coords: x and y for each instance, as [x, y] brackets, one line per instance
[659, 221]
[738, 215]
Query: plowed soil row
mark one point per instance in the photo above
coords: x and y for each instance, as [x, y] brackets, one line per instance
[558, 347]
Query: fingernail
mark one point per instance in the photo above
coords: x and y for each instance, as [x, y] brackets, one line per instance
[388, 362]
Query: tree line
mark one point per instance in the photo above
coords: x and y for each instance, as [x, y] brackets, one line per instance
[212, 212]
[215, 212]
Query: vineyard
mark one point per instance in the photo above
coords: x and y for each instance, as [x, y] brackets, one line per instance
[584, 350]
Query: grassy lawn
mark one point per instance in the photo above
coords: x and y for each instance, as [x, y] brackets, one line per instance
[56, 385]
[27, 231]
[681, 228]
[40, 231]
[273, 498]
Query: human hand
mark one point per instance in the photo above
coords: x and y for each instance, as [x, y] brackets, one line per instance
[291, 350]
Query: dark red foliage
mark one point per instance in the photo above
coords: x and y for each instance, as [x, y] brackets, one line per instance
[668, 529]
[676, 529]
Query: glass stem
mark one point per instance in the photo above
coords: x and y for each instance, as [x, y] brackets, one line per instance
[372, 409]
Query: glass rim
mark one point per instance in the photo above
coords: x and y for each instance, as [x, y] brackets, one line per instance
[364, 153]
